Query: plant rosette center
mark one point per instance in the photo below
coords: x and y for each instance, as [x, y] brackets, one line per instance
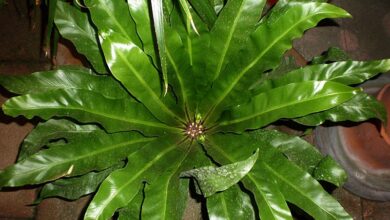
[194, 130]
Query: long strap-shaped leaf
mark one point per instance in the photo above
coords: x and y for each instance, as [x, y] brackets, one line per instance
[286, 102]
[189, 20]
[270, 201]
[346, 72]
[88, 107]
[65, 77]
[296, 185]
[144, 165]
[211, 179]
[50, 130]
[178, 63]
[132, 210]
[127, 62]
[74, 25]
[185, 53]
[265, 52]
[95, 151]
[360, 108]
[231, 31]
[303, 154]
[205, 10]
[170, 190]
[158, 24]
[232, 203]
[76, 187]
[139, 10]
[113, 16]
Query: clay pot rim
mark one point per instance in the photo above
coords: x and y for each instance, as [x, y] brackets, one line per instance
[384, 133]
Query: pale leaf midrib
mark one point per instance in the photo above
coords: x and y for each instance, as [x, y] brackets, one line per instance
[239, 120]
[228, 41]
[115, 146]
[184, 95]
[114, 18]
[156, 99]
[265, 51]
[276, 174]
[224, 206]
[128, 120]
[167, 185]
[298, 190]
[66, 23]
[249, 175]
[106, 202]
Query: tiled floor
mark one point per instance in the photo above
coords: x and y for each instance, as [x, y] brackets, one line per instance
[367, 36]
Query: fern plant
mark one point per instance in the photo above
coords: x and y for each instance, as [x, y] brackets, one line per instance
[181, 92]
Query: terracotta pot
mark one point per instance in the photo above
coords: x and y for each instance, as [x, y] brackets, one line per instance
[362, 150]
[384, 97]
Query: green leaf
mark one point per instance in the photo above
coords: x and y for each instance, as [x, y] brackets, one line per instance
[75, 187]
[158, 24]
[139, 10]
[92, 152]
[212, 179]
[283, 3]
[264, 52]
[177, 66]
[333, 54]
[139, 77]
[329, 170]
[187, 67]
[290, 101]
[48, 131]
[170, 190]
[205, 10]
[297, 186]
[127, 62]
[360, 108]
[146, 165]
[133, 209]
[113, 17]
[231, 32]
[304, 155]
[185, 53]
[346, 72]
[74, 25]
[65, 77]
[302, 190]
[87, 107]
[232, 203]
[287, 64]
[270, 201]
[184, 5]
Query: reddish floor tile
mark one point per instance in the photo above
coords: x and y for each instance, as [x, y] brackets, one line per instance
[58, 209]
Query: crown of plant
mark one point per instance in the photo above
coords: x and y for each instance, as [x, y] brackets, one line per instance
[180, 92]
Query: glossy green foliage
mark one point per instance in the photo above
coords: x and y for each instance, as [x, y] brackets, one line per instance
[214, 179]
[290, 101]
[66, 77]
[264, 51]
[345, 72]
[88, 107]
[360, 108]
[74, 25]
[76, 187]
[224, 205]
[188, 91]
[44, 134]
[288, 181]
[92, 151]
